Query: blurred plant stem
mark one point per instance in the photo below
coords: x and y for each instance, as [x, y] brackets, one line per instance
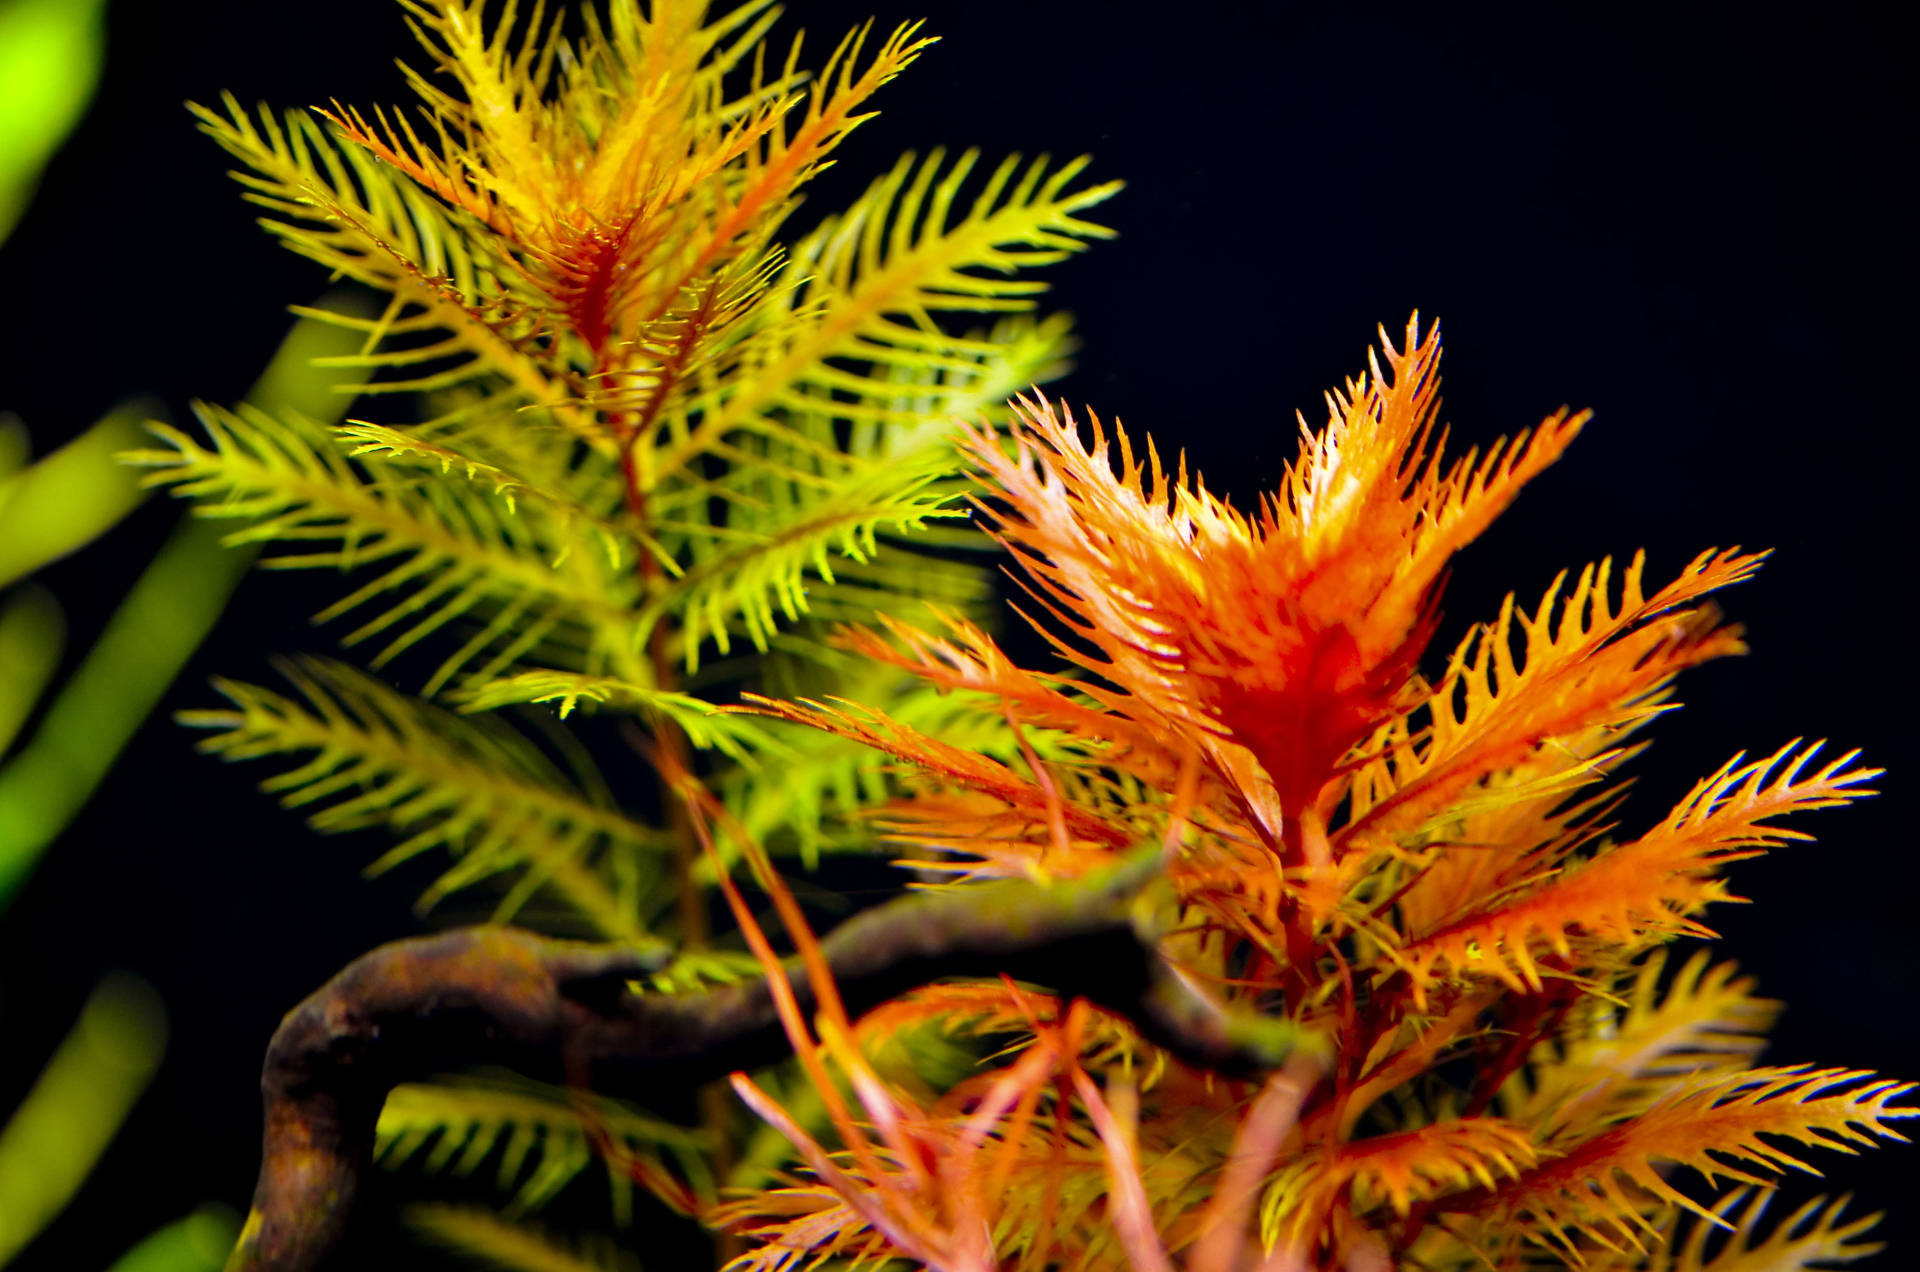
[196, 1243]
[51, 1144]
[32, 631]
[71, 497]
[50, 55]
[163, 619]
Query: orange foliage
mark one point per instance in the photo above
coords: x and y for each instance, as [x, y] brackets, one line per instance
[1414, 871]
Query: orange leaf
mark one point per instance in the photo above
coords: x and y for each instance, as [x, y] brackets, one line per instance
[1713, 1125]
[1601, 666]
[1286, 637]
[1645, 889]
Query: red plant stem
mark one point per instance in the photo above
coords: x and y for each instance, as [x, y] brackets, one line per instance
[1540, 1016]
[1274, 1114]
[674, 755]
[1296, 923]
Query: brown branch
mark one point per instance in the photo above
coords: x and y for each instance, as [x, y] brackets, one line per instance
[494, 995]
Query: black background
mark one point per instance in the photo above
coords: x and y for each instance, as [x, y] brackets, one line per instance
[1695, 224]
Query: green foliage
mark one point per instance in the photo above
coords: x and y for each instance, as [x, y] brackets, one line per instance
[67, 499]
[50, 55]
[197, 1242]
[494, 1242]
[471, 786]
[55, 506]
[659, 447]
[535, 1137]
[449, 546]
[53, 1140]
[583, 509]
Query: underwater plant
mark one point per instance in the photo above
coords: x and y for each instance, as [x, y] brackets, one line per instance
[1493, 1063]
[1239, 940]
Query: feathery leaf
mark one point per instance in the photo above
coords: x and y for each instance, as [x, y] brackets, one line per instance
[437, 779]
[538, 1132]
[452, 549]
[1713, 1124]
[1648, 888]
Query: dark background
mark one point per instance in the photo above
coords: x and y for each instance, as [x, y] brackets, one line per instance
[1695, 224]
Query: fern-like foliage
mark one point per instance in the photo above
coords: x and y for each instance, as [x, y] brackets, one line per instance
[1617, 1061]
[1812, 1236]
[442, 546]
[373, 757]
[618, 300]
[653, 429]
[1595, 1189]
[537, 1140]
[641, 440]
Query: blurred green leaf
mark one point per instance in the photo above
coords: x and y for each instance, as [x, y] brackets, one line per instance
[77, 1105]
[157, 627]
[50, 55]
[197, 1243]
[71, 497]
[31, 634]
[14, 449]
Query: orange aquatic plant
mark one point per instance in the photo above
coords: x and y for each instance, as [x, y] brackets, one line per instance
[1494, 1063]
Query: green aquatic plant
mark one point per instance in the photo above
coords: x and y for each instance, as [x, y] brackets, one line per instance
[643, 445]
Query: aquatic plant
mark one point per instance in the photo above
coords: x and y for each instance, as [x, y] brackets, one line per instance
[1249, 936]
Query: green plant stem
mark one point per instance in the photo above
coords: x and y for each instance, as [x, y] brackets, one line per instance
[159, 625]
[67, 1120]
[32, 631]
[71, 497]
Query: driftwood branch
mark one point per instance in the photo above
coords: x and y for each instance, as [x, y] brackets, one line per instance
[546, 1008]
